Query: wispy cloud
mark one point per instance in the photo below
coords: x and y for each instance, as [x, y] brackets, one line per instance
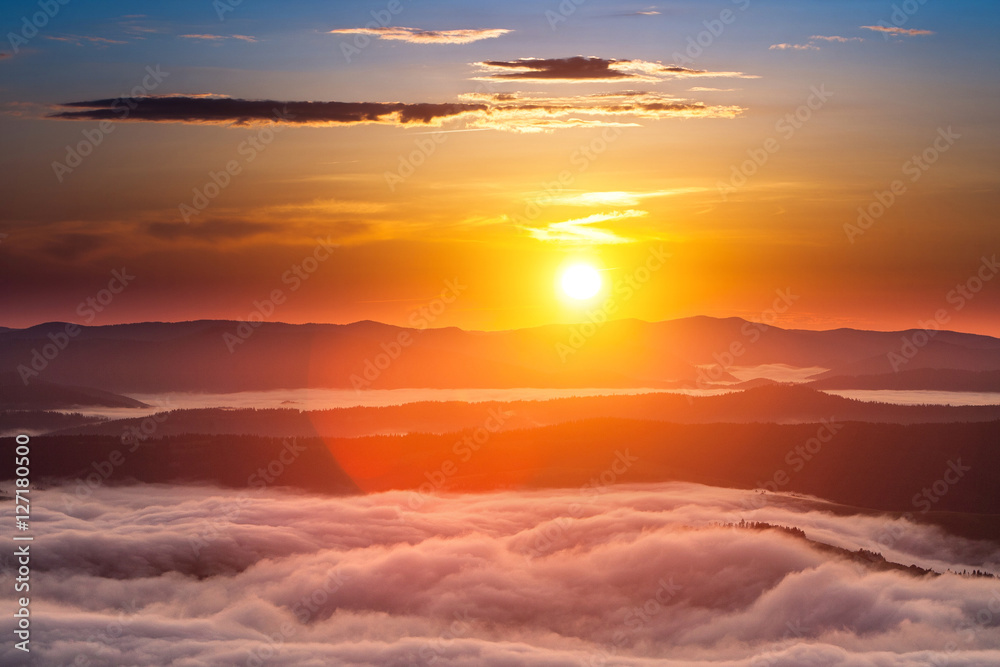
[520, 112]
[811, 45]
[208, 37]
[793, 47]
[418, 36]
[320, 207]
[895, 30]
[134, 24]
[837, 38]
[579, 230]
[209, 231]
[588, 69]
[648, 11]
[617, 198]
[80, 40]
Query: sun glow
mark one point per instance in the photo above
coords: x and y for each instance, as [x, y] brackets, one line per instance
[580, 281]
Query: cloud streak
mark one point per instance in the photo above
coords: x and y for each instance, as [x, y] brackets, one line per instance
[216, 38]
[230, 111]
[618, 198]
[418, 36]
[580, 69]
[793, 47]
[512, 112]
[579, 230]
[79, 40]
[811, 45]
[624, 576]
[897, 31]
[837, 38]
[520, 112]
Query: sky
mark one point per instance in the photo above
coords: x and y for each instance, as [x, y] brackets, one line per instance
[343, 161]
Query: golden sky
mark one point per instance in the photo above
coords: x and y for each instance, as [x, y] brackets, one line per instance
[355, 156]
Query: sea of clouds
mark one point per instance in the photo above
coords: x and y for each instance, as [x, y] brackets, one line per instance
[628, 575]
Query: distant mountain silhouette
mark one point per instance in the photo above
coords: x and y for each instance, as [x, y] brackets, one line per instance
[194, 356]
[704, 340]
[42, 395]
[236, 356]
[770, 403]
[937, 379]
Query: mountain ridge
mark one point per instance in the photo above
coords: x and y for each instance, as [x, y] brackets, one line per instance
[226, 355]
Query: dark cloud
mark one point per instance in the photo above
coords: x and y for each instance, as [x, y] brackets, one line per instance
[588, 69]
[158, 575]
[214, 109]
[556, 68]
[71, 246]
[211, 230]
[513, 112]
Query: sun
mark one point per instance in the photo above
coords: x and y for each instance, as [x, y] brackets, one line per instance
[580, 281]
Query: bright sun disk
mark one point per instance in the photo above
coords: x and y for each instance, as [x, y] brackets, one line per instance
[581, 281]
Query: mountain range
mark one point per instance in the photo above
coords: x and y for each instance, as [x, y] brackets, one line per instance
[697, 352]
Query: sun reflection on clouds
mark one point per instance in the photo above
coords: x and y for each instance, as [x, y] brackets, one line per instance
[617, 198]
[580, 230]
